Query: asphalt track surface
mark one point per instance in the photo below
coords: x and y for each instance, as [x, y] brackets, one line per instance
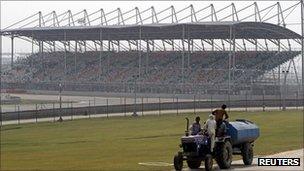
[238, 164]
[128, 114]
[81, 101]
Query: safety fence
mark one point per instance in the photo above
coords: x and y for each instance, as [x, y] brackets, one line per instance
[141, 108]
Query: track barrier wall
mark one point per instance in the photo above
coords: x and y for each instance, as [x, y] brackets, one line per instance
[140, 108]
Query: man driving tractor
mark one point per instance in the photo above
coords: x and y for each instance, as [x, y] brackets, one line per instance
[196, 126]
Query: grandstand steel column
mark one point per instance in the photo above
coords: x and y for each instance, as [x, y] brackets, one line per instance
[12, 51]
[229, 64]
[233, 59]
[42, 58]
[65, 59]
[108, 56]
[100, 51]
[40, 25]
[212, 20]
[188, 55]
[139, 57]
[183, 56]
[147, 57]
[256, 19]
[75, 57]
[32, 53]
[40, 44]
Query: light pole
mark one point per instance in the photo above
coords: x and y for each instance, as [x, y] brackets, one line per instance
[297, 98]
[284, 89]
[264, 98]
[135, 77]
[60, 101]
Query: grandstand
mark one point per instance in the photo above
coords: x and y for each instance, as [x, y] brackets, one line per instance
[204, 68]
[190, 54]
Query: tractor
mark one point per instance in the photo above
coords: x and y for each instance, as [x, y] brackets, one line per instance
[237, 138]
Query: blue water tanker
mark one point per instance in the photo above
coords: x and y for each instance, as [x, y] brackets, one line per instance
[242, 131]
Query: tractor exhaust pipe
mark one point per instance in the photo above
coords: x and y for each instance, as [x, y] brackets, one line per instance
[187, 127]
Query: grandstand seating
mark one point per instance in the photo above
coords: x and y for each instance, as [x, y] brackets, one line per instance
[200, 67]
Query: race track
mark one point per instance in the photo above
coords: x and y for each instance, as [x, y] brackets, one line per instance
[238, 165]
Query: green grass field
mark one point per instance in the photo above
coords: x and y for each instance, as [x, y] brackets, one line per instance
[120, 143]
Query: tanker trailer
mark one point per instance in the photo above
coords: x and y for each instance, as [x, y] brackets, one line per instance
[238, 140]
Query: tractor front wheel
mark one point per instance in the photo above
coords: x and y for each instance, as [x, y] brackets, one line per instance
[208, 162]
[178, 162]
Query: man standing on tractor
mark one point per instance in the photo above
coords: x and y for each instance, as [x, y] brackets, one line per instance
[196, 126]
[219, 115]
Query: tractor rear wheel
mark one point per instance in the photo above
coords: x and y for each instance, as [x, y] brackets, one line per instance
[178, 162]
[247, 153]
[194, 164]
[224, 155]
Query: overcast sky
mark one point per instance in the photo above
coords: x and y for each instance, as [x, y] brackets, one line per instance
[13, 11]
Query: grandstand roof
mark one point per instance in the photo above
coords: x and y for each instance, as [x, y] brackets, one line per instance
[197, 30]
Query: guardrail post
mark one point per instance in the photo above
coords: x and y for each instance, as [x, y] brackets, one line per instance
[50, 113]
[107, 108]
[18, 114]
[94, 106]
[263, 100]
[54, 115]
[177, 106]
[36, 113]
[194, 105]
[173, 102]
[72, 110]
[159, 106]
[211, 103]
[142, 106]
[125, 107]
[0, 117]
[89, 109]
[246, 102]
[297, 99]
